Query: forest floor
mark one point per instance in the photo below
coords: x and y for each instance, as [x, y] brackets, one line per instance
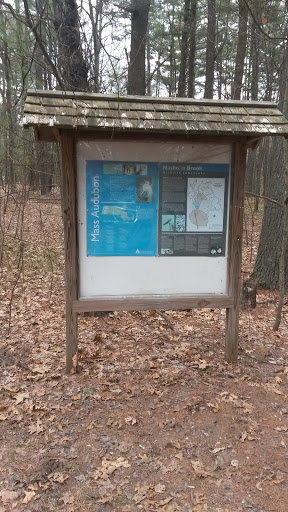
[155, 420]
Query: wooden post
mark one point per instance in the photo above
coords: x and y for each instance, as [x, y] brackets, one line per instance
[70, 243]
[235, 244]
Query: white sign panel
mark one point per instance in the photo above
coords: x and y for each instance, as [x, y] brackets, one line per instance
[152, 218]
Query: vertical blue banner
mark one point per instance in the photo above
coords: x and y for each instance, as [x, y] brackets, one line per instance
[122, 208]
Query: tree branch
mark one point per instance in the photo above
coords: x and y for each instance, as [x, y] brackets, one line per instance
[259, 26]
[41, 45]
[265, 198]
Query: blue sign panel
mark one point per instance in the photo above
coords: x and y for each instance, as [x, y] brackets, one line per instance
[122, 203]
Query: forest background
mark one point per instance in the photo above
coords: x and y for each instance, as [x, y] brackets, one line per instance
[221, 49]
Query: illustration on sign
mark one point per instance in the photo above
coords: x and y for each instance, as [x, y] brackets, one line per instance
[122, 201]
[192, 209]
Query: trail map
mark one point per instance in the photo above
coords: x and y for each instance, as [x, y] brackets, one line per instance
[205, 205]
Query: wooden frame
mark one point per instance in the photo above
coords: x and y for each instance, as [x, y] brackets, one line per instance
[75, 306]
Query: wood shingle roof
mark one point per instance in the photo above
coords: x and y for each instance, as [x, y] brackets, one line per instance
[112, 113]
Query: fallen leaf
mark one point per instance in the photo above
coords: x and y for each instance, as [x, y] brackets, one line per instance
[33, 487]
[159, 488]
[36, 429]
[91, 425]
[67, 499]
[58, 477]
[141, 493]
[216, 450]
[203, 364]
[215, 406]
[20, 397]
[199, 469]
[29, 495]
[130, 420]
[143, 457]
[199, 502]
[109, 466]
[77, 397]
[8, 496]
[160, 503]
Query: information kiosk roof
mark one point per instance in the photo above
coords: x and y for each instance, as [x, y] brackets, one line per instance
[49, 111]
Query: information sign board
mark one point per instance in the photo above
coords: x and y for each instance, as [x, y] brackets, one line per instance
[123, 206]
[131, 209]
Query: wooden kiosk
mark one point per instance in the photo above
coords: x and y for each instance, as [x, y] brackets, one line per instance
[153, 194]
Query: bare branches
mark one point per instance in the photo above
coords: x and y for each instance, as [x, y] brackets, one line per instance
[271, 38]
[28, 21]
[46, 55]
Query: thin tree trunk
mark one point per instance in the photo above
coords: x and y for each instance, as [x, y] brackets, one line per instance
[96, 22]
[11, 125]
[184, 51]
[139, 24]
[210, 49]
[192, 51]
[241, 50]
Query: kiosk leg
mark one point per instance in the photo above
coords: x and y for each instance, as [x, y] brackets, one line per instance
[71, 341]
[70, 245]
[232, 330]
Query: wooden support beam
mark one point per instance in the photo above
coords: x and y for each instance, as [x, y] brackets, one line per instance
[235, 244]
[70, 242]
[146, 303]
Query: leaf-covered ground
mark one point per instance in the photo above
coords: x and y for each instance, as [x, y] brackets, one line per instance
[155, 420]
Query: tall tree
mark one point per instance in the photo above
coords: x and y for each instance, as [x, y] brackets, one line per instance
[192, 49]
[72, 64]
[210, 49]
[241, 50]
[96, 15]
[266, 269]
[184, 50]
[136, 70]
[186, 79]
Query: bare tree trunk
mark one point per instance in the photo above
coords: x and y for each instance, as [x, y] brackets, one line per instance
[11, 125]
[283, 255]
[271, 249]
[283, 271]
[184, 51]
[192, 52]
[210, 49]
[96, 22]
[241, 50]
[139, 24]
[71, 60]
